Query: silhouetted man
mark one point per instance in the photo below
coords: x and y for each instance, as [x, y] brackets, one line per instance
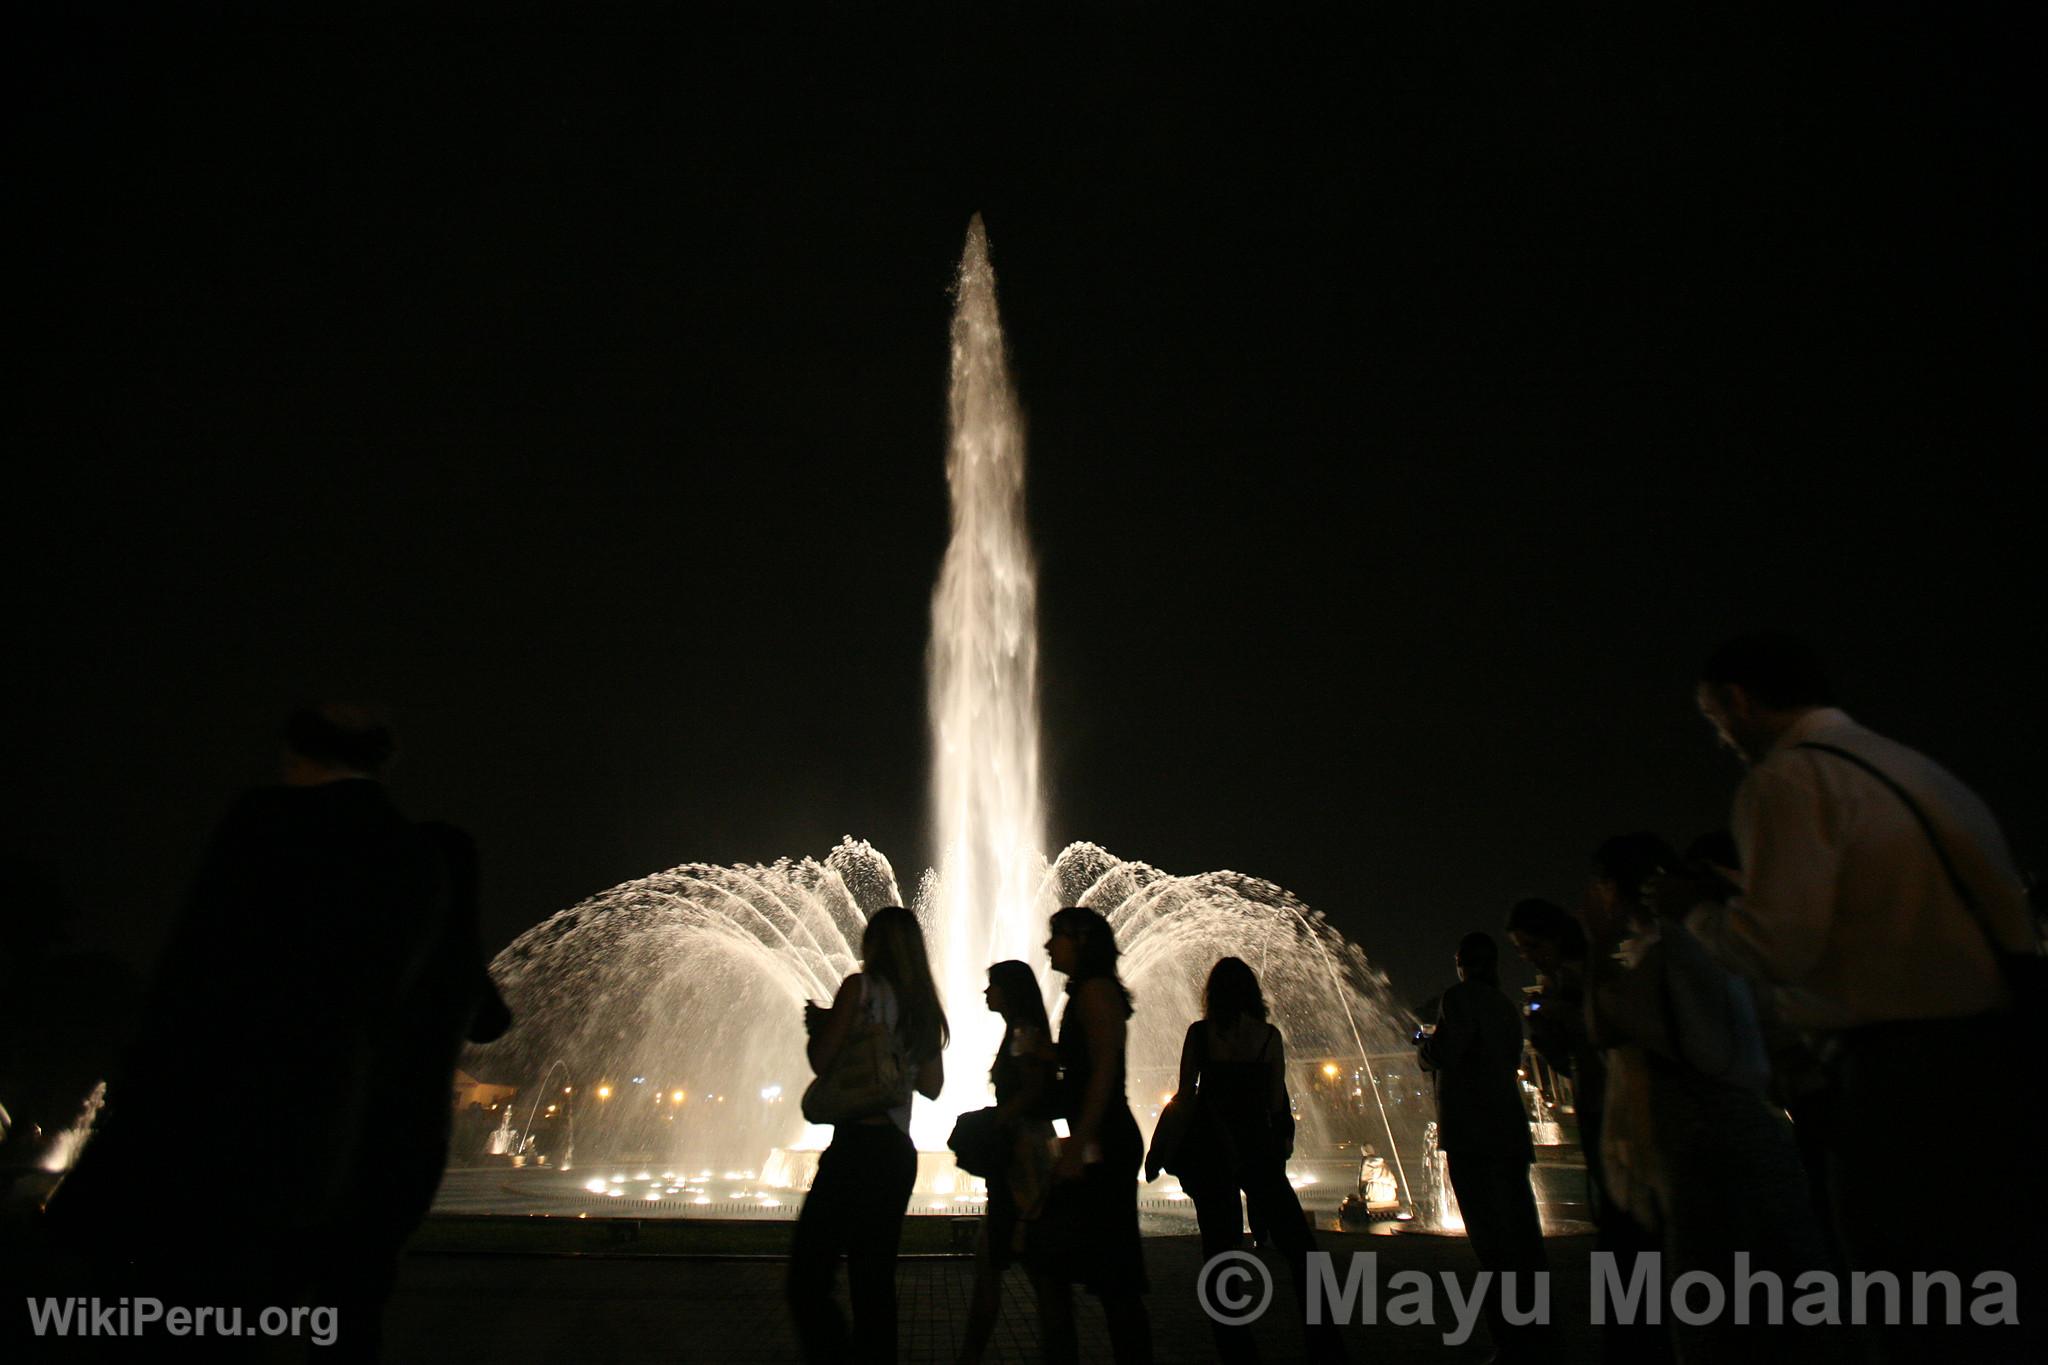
[1552, 942]
[317, 982]
[1878, 894]
[1476, 1051]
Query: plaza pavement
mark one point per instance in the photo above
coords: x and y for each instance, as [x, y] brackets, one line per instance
[580, 1309]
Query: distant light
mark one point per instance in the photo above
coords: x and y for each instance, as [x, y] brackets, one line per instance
[595, 1186]
[1330, 1070]
[639, 1080]
[604, 1092]
[771, 1092]
[615, 1193]
[677, 1096]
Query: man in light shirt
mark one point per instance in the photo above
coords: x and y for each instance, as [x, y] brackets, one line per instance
[1883, 945]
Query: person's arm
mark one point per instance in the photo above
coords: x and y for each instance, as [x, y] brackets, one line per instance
[1102, 1023]
[931, 1076]
[1191, 1059]
[1791, 863]
[830, 1034]
[1455, 1034]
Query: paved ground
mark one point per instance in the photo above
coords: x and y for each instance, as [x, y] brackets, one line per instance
[504, 1309]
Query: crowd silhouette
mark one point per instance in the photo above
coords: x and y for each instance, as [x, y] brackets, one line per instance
[1739, 1029]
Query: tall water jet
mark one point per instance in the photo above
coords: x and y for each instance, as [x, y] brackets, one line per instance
[987, 813]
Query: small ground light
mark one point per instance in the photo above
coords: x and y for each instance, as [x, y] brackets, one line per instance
[1330, 1070]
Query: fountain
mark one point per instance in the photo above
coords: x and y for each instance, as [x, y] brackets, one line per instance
[678, 996]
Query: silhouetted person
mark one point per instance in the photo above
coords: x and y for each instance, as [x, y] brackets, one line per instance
[1089, 1232]
[862, 1189]
[1879, 899]
[1021, 1076]
[1695, 1155]
[449, 1001]
[1235, 1061]
[1483, 1131]
[1551, 941]
[286, 997]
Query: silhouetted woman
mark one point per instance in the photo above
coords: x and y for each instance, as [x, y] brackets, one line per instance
[862, 1189]
[1023, 1085]
[1089, 1231]
[1236, 1061]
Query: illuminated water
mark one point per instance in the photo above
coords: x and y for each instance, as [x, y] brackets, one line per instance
[674, 1003]
[988, 822]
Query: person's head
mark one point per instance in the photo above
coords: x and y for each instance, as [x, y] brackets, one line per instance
[1545, 935]
[1013, 993]
[1478, 958]
[1620, 867]
[1083, 946]
[329, 742]
[1755, 686]
[892, 948]
[1232, 993]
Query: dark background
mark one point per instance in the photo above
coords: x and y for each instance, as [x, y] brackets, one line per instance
[1413, 401]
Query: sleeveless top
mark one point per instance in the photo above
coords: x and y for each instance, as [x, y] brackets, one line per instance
[1014, 1062]
[1075, 1064]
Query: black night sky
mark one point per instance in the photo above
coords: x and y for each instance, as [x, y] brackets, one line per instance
[1412, 403]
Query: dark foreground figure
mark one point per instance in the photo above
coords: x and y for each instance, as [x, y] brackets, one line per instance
[1882, 906]
[317, 986]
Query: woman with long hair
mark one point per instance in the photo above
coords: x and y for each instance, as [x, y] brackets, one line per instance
[1235, 1063]
[862, 1189]
[1089, 1231]
[1022, 1079]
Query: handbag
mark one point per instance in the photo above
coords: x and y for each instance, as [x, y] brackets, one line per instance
[866, 1077]
[980, 1143]
[2025, 973]
[1189, 1140]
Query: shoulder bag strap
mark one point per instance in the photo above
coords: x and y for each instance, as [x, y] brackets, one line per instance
[1955, 879]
